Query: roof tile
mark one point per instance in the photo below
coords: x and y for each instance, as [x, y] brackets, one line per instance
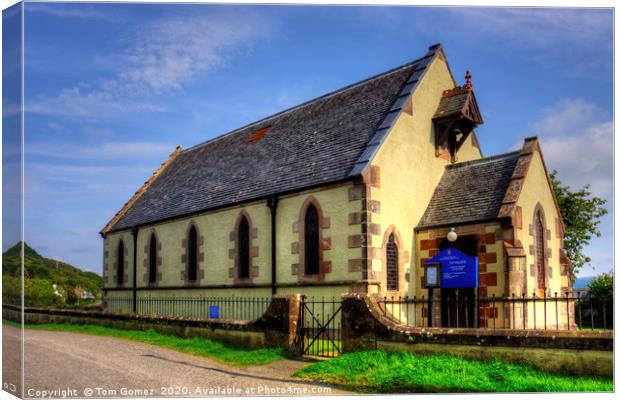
[470, 191]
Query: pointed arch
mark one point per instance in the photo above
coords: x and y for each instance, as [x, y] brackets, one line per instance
[243, 253]
[243, 248]
[192, 254]
[539, 250]
[540, 247]
[391, 258]
[394, 256]
[153, 258]
[120, 263]
[311, 241]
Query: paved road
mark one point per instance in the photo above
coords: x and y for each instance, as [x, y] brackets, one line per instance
[80, 364]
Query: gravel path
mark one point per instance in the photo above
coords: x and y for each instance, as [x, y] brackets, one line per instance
[93, 366]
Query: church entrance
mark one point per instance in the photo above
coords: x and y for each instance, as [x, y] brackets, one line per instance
[458, 306]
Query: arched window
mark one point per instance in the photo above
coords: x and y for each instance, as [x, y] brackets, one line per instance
[192, 254]
[391, 256]
[120, 263]
[153, 259]
[540, 250]
[243, 249]
[311, 239]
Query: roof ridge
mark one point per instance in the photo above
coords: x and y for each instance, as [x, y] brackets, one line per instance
[484, 159]
[308, 102]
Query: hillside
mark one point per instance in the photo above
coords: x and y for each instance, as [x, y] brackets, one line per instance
[40, 274]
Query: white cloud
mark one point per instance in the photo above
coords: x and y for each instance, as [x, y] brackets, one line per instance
[108, 150]
[540, 26]
[161, 57]
[172, 52]
[80, 102]
[98, 131]
[70, 11]
[577, 141]
[551, 37]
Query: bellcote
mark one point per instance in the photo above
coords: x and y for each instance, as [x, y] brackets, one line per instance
[456, 117]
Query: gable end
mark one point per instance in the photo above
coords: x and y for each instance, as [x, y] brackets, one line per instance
[399, 105]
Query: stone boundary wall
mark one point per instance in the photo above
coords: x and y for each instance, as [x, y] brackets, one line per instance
[276, 328]
[587, 353]
[364, 326]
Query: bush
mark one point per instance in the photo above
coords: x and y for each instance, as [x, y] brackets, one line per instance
[596, 310]
[37, 292]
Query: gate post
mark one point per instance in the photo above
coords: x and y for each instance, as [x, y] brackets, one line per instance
[281, 321]
[358, 323]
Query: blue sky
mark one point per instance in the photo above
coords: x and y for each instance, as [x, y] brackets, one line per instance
[111, 89]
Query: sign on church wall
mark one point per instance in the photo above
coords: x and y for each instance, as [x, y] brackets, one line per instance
[458, 270]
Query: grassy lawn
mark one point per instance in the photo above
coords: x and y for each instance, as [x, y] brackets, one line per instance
[382, 372]
[197, 346]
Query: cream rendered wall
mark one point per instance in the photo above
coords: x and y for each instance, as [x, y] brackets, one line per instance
[110, 252]
[468, 151]
[536, 190]
[216, 228]
[409, 168]
[335, 205]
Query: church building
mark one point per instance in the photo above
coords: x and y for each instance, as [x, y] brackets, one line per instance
[353, 191]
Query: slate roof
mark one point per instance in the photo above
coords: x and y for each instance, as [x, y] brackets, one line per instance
[318, 142]
[451, 105]
[470, 191]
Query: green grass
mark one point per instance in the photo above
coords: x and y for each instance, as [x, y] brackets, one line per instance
[383, 372]
[324, 347]
[196, 346]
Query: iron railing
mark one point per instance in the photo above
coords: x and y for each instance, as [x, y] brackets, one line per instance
[550, 311]
[230, 308]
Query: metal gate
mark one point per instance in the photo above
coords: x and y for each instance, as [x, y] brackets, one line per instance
[319, 329]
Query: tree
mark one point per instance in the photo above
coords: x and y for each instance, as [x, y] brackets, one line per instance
[581, 213]
[602, 288]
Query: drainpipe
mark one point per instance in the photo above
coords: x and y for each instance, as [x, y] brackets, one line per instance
[272, 203]
[134, 233]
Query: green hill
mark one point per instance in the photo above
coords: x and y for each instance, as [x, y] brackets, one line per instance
[40, 274]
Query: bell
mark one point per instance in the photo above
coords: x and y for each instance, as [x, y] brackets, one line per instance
[458, 135]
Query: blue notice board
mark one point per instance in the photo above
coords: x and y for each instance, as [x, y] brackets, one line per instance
[458, 270]
[214, 311]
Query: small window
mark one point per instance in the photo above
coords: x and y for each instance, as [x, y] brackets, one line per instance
[540, 251]
[391, 255]
[120, 263]
[243, 244]
[258, 135]
[311, 238]
[192, 254]
[153, 259]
